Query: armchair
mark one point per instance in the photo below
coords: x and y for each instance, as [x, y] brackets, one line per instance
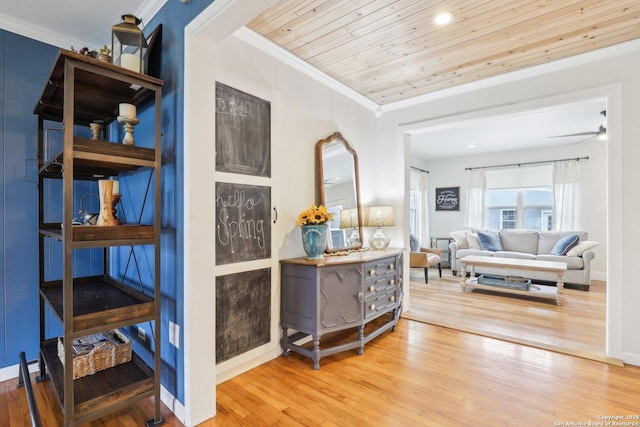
[426, 258]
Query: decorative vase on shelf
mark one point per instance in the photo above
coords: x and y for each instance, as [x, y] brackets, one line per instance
[105, 218]
[314, 240]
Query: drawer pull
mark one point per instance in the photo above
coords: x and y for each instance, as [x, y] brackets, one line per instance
[393, 298]
[392, 267]
[392, 281]
[372, 273]
[372, 289]
[373, 307]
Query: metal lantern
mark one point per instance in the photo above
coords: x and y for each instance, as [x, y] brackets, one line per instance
[128, 45]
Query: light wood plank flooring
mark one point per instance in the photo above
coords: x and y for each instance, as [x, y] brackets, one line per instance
[420, 375]
[576, 327]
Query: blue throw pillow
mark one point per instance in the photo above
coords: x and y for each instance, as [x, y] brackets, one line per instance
[490, 241]
[563, 245]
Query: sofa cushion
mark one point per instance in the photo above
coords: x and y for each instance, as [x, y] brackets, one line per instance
[582, 246]
[520, 240]
[516, 255]
[490, 241]
[472, 240]
[563, 245]
[460, 238]
[573, 262]
[465, 252]
[548, 239]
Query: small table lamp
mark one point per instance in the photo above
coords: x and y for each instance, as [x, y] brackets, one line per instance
[349, 219]
[379, 216]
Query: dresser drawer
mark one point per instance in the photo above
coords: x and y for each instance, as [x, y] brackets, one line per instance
[381, 302]
[379, 284]
[381, 267]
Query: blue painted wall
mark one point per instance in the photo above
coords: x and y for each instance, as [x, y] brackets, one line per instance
[24, 66]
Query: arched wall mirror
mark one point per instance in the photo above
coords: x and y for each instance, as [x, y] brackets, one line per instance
[339, 191]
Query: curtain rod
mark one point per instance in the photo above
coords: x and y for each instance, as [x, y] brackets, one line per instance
[418, 169]
[528, 163]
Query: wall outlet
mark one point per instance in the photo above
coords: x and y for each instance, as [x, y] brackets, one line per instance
[142, 334]
[174, 334]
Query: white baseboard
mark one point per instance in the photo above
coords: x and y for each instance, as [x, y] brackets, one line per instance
[172, 403]
[12, 372]
[599, 275]
[631, 358]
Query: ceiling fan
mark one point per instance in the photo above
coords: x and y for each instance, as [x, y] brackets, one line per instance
[601, 133]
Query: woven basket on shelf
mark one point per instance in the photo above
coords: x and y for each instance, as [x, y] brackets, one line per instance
[103, 356]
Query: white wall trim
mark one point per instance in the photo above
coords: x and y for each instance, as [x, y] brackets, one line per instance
[11, 372]
[172, 403]
[219, 20]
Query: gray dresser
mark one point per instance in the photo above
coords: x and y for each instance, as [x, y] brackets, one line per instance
[337, 293]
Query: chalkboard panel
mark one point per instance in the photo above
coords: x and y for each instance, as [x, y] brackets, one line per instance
[243, 312]
[243, 132]
[243, 228]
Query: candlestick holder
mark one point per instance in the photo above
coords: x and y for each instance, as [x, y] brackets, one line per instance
[96, 130]
[129, 123]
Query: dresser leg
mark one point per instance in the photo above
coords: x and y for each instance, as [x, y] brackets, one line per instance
[316, 352]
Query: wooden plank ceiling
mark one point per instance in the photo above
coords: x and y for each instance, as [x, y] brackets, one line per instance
[389, 50]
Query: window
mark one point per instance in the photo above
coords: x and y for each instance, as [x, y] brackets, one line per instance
[529, 208]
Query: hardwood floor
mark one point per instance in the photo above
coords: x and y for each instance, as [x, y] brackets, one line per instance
[420, 375]
[576, 327]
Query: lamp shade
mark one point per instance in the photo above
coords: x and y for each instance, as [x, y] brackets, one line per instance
[348, 218]
[379, 216]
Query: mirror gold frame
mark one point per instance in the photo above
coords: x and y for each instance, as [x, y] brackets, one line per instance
[337, 161]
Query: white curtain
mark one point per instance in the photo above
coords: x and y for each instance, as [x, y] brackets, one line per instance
[565, 195]
[476, 199]
[420, 183]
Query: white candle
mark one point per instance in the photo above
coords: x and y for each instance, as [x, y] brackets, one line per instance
[127, 110]
[116, 186]
[130, 62]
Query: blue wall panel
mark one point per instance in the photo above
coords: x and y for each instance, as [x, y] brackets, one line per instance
[24, 75]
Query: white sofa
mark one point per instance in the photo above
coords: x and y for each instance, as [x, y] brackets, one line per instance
[529, 244]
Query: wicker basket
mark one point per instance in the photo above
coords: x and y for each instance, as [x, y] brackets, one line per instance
[114, 351]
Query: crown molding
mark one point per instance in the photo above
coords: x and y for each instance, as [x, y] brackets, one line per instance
[146, 12]
[287, 57]
[536, 70]
[278, 52]
[149, 9]
[25, 29]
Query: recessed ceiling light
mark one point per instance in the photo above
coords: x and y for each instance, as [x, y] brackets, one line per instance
[443, 18]
[471, 146]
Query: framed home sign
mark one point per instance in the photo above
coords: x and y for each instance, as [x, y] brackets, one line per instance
[448, 199]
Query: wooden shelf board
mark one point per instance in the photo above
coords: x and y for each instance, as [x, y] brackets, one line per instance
[98, 302]
[96, 236]
[103, 391]
[96, 159]
[100, 90]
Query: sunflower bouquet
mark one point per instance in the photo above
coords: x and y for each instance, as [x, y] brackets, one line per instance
[315, 215]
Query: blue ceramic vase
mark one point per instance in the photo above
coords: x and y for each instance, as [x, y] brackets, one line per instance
[314, 240]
